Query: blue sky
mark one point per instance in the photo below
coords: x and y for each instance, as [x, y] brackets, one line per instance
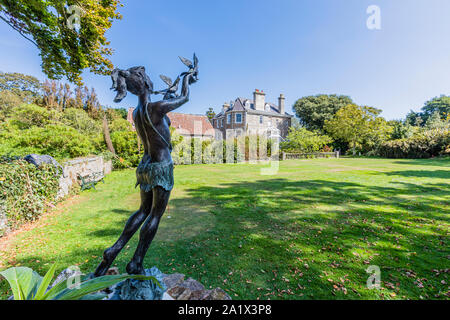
[295, 47]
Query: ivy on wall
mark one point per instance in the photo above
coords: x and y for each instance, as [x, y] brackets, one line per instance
[26, 191]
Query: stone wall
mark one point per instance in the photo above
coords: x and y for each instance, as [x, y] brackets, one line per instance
[71, 168]
[255, 127]
[3, 221]
[83, 166]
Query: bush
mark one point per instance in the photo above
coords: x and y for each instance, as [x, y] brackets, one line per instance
[26, 190]
[120, 125]
[80, 120]
[300, 140]
[126, 146]
[8, 101]
[30, 115]
[425, 144]
[58, 141]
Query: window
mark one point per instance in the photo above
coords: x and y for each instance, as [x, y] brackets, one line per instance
[221, 123]
[228, 118]
[238, 118]
[261, 120]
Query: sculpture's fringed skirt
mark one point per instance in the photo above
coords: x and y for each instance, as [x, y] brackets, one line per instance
[155, 174]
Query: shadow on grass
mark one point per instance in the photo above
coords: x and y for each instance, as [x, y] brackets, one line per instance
[441, 174]
[312, 239]
[438, 162]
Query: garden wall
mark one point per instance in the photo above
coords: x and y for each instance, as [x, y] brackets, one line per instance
[27, 191]
[291, 156]
[83, 166]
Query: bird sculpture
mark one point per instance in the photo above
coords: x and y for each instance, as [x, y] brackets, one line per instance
[193, 67]
[171, 91]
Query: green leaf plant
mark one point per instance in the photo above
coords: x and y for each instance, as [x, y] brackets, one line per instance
[27, 284]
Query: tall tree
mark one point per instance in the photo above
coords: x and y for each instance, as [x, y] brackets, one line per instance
[439, 105]
[357, 126]
[313, 111]
[51, 26]
[210, 114]
[93, 107]
[28, 88]
[50, 88]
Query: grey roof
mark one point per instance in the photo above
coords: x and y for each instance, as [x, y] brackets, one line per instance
[240, 105]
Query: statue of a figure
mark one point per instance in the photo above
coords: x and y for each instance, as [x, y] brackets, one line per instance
[155, 172]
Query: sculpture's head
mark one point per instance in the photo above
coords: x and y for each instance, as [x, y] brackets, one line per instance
[134, 80]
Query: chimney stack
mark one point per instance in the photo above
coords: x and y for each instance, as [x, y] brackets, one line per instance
[226, 106]
[281, 103]
[259, 98]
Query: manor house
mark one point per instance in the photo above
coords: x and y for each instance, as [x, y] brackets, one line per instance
[252, 117]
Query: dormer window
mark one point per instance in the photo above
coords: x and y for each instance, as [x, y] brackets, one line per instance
[267, 107]
[248, 104]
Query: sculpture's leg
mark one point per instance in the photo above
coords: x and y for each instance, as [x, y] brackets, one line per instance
[148, 230]
[133, 224]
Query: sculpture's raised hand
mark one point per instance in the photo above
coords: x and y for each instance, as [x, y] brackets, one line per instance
[193, 68]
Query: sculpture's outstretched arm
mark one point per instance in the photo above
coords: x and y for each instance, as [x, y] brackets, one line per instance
[166, 106]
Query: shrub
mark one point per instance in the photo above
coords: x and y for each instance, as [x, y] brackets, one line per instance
[300, 140]
[8, 101]
[27, 284]
[80, 120]
[126, 146]
[425, 144]
[30, 115]
[26, 190]
[120, 125]
[59, 141]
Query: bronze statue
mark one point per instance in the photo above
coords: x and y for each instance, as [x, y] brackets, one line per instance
[171, 91]
[155, 172]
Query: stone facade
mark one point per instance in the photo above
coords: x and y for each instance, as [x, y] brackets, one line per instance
[252, 117]
[83, 166]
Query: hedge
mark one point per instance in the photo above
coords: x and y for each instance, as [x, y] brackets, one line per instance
[426, 144]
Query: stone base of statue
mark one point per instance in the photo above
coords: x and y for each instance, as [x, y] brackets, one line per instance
[174, 287]
[180, 289]
[140, 290]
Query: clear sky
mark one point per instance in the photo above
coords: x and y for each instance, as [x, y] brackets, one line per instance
[295, 47]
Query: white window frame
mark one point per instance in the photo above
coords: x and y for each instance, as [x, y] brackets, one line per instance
[236, 118]
[229, 118]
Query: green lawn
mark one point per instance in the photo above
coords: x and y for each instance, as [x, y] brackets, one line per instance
[309, 232]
